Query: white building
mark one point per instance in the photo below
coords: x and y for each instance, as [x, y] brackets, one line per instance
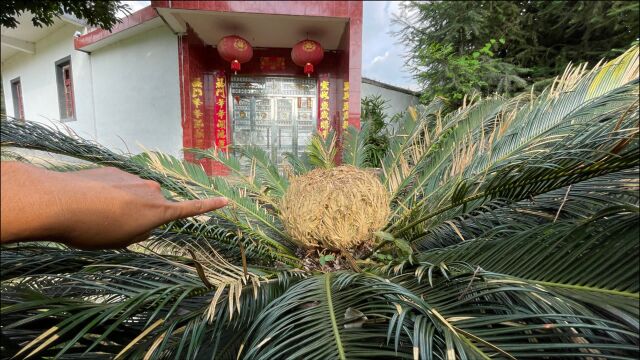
[120, 97]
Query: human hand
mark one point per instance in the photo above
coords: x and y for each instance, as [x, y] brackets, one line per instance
[88, 209]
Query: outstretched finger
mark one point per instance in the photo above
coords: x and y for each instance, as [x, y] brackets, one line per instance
[189, 208]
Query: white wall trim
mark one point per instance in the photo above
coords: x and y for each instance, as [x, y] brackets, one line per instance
[21, 45]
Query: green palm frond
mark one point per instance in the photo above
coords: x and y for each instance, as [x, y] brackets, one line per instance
[310, 321]
[588, 151]
[528, 142]
[478, 308]
[406, 144]
[122, 294]
[299, 164]
[247, 180]
[183, 179]
[263, 177]
[30, 135]
[322, 152]
[359, 316]
[513, 235]
[597, 256]
[266, 171]
[244, 212]
[433, 165]
[579, 201]
[354, 149]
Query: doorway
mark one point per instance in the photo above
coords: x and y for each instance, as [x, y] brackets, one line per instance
[277, 114]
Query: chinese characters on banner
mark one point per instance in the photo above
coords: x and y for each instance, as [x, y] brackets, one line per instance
[345, 106]
[197, 112]
[323, 129]
[220, 114]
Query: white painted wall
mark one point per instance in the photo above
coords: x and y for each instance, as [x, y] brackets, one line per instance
[126, 93]
[396, 101]
[38, 79]
[137, 93]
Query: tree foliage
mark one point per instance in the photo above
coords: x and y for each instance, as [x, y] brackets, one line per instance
[96, 13]
[457, 47]
[374, 126]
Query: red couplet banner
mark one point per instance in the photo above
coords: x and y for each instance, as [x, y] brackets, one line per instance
[220, 113]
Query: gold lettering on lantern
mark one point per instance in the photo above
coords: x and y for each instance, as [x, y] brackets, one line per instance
[240, 44]
[345, 106]
[324, 108]
[308, 46]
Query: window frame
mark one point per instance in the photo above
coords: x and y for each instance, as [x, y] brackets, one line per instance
[17, 98]
[66, 95]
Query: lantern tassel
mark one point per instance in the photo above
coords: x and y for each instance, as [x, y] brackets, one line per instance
[308, 69]
[235, 66]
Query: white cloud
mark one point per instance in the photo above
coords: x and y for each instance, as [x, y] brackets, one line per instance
[379, 46]
[380, 59]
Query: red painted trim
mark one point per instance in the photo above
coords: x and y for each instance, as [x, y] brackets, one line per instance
[197, 59]
[136, 18]
[342, 9]
[354, 72]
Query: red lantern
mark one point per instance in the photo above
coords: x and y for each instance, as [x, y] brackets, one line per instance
[235, 50]
[307, 53]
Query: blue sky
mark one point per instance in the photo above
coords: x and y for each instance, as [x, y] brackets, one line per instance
[382, 56]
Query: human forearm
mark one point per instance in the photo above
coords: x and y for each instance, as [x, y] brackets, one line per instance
[89, 209]
[30, 210]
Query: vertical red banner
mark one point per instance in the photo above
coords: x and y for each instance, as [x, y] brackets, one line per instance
[197, 111]
[220, 113]
[345, 106]
[323, 108]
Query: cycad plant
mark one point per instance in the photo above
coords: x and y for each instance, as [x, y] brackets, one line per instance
[510, 232]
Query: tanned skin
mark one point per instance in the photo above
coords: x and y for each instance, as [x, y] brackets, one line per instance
[103, 208]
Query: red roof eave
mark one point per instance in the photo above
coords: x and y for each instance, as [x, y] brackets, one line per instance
[134, 19]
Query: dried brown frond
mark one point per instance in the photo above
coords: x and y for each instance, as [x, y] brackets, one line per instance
[337, 208]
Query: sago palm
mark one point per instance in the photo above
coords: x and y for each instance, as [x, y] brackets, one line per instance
[509, 230]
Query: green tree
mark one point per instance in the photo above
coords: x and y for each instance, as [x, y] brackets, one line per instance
[97, 13]
[512, 233]
[504, 46]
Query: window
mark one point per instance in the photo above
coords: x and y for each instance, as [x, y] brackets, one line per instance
[16, 94]
[66, 100]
